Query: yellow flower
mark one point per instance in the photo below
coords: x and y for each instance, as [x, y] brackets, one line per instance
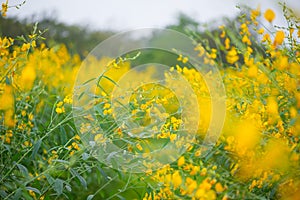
[68, 99]
[252, 71]
[182, 59]
[9, 118]
[282, 62]
[266, 38]
[107, 112]
[211, 195]
[203, 172]
[198, 153]
[190, 184]
[181, 161]
[4, 8]
[75, 146]
[213, 53]
[6, 98]
[77, 137]
[246, 40]
[185, 60]
[223, 34]
[195, 170]
[179, 58]
[200, 193]
[227, 43]
[255, 13]
[25, 47]
[107, 105]
[269, 15]
[279, 37]
[32, 36]
[232, 56]
[27, 78]
[139, 147]
[27, 143]
[272, 106]
[31, 192]
[33, 43]
[176, 179]
[60, 110]
[59, 104]
[261, 31]
[219, 188]
[173, 137]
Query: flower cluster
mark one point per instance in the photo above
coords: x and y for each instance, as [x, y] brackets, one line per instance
[256, 157]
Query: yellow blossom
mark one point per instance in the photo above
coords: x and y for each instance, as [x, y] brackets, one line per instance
[107, 112]
[181, 161]
[173, 137]
[77, 137]
[4, 8]
[75, 146]
[261, 31]
[139, 146]
[279, 37]
[269, 15]
[25, 47]
[6, 98]
[266, 38]
[59, 110]
[27, 77]
[252, 71]
[190, 184]
[198, 153]
[219, 188]
[272, 106]
[227, 43]
[185, 60]
[176, 179]
[107, 105]
[232, 56]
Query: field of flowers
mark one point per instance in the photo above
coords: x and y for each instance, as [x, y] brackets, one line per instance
[44, 153]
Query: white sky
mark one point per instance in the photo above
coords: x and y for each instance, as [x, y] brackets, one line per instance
[132, 14]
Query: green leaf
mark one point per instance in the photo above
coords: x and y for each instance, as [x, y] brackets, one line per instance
[21, 38]
[36, 147]
[110, 80]
[80, 96]
[88, 81]
[68, 187]
[80, 178]
[58, 186]
[61, 161]
[63, 135]
[50, 179]
[121, 197]
[3, 194]
[102, 173]
[23, 169]
[33, 189]
[17, 194]
[91, 196]
[85, 156]
[35, 27]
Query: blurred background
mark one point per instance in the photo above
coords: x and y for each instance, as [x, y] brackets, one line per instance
[81, 25]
